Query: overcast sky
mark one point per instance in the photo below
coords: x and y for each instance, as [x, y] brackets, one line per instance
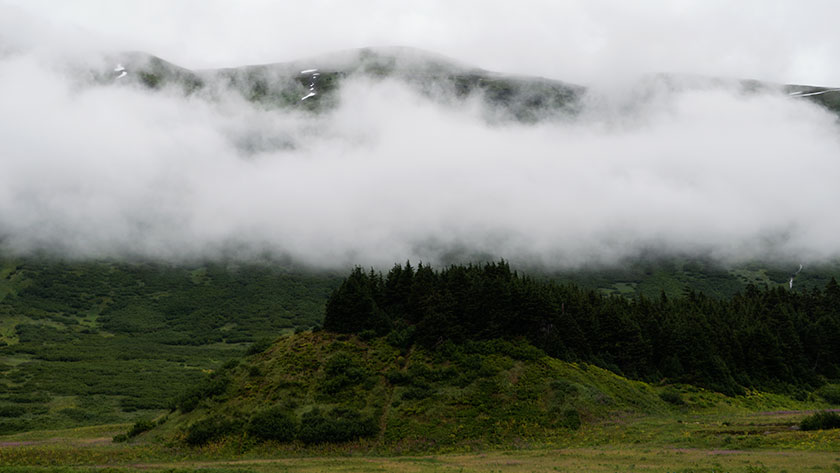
[114, 169]
[574, 40]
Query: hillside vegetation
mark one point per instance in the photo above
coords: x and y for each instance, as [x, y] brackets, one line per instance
[769, 338]
[94, 342]
[479, 356]
[315, 388]
[84, 343]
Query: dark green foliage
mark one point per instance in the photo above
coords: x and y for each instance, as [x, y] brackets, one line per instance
[12, 411]
[342, 371]
[398, 378]
[76, 414]
[30, 398]
[274, 423]
[259, 346]
[570, 419]
[209, 429]
[767, 338]
[353, 306]
[417, 392]
[672, 396]
[337, 425]
[563, 387]
[210, 387]
[134, 335]
[138, 428]
[821, 421]
[830, 392]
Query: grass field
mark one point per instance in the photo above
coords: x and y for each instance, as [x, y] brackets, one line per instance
[750, 442]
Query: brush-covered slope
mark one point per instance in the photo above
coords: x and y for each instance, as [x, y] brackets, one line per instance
[314, 388]
[88, 342]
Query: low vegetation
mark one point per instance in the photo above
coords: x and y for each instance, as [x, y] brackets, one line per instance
[405, 378]
[821, 421]
[85, 343]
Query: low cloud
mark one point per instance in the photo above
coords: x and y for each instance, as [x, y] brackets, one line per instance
[116, 170]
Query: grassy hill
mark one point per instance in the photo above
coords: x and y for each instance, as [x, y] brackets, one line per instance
[339, 388]
[322, 392]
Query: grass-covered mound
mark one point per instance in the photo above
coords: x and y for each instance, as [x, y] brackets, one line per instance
[479, 354]
[314, 388]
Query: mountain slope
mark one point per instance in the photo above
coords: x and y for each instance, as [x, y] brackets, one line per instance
[312, 84]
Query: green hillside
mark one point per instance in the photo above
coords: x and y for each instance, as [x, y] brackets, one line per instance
[648, 275]
[478, 355]
[94, 342]
[324, 387]
[328, 393]
[84, 343]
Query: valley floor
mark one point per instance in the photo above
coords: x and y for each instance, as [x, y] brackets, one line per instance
[700, 442]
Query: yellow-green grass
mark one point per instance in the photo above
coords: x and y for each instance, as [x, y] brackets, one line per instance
[597, 459]
[697, 441]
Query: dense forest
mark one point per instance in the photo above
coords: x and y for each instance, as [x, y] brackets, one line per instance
[768, 338]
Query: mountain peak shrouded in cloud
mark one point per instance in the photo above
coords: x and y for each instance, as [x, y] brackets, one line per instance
[425, 159]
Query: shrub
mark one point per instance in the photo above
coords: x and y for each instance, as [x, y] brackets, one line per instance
[672, 396]
[78, 415]
[401, 337]
[830, 392]
[821, 421]
[563, 387]
[231, 364]
[211, 428]
[273, 424]
[367, 335]
[139, 427]
[398, 378]
[33, 398]
[339, 425]
[570, 419]
[259, 346]
[131, 404]
[212, 386]
[12, 411]
[417, 392]
[342, 371]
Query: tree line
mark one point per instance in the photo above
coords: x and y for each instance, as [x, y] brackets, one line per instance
[770, 338]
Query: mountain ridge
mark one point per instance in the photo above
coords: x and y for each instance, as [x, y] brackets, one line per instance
[283, 84]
